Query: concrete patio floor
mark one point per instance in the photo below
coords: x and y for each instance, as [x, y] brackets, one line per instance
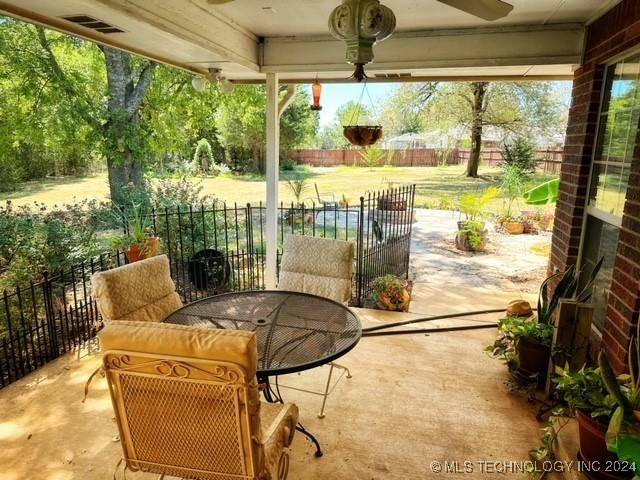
[413, 400]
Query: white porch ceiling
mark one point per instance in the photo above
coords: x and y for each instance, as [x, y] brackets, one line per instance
[309, 17]
[246, 38]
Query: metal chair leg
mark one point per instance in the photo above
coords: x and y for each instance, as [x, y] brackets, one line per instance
[326, 392]
[346, 369]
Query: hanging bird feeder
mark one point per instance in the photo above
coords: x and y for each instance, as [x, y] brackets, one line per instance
[361, 23]
[316, 90]
[362, 135]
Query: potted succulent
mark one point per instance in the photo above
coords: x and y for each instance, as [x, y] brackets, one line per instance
[392, 293]
[585, 394]
[623, 432]
[524, 342]
[139, 242]
[472, 235]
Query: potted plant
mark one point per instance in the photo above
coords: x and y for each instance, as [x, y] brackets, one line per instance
[511, 186]
[525, 345]
[586, 396]
[623, 432]
[362, 135]
[472, 235]
[139, 242]
[513, 224]
[524, 342]
[392, 293]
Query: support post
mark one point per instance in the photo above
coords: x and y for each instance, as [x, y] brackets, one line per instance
[272, 167]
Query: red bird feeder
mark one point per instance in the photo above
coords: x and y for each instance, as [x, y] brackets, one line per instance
[316, 88]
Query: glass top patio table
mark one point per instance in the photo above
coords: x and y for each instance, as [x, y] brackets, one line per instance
[295, 331]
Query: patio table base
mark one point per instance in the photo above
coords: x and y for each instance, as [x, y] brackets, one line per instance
[272, 396]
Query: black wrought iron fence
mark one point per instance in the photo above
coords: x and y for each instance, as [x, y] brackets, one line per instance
[45, 319]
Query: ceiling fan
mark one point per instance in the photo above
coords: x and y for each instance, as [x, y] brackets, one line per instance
[485, 9]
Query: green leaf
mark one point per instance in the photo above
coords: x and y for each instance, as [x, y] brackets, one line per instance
[543, 194]
[628, 449]
[614, 428]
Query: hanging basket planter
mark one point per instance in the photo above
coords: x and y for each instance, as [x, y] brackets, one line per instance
[363, 135]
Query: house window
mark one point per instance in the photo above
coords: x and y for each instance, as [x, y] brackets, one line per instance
[617, 131]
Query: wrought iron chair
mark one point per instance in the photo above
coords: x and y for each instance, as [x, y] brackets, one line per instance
[323, 267]
[141, 291]
[186, 402]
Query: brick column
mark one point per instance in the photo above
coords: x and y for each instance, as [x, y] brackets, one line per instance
[614, 33]
[574, 172]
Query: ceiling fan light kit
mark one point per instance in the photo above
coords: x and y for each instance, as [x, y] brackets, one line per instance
[361, 24]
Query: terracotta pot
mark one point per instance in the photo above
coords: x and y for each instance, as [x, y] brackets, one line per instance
[463, 243]
[362, 135]
[593, 448]
[149, 249]
[396, 304]
[534, 360]
[514, 228]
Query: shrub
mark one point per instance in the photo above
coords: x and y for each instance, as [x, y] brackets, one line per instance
[37, 239]
[298, 185]
[520, 153]
[287, 165]
[372, 156]
[183, 193]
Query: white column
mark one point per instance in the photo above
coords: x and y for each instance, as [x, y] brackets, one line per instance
[272, 167]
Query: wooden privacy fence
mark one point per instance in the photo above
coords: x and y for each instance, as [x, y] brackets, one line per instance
[550, 159]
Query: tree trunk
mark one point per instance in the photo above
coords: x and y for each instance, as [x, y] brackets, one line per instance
[479, 91]
[124, 139]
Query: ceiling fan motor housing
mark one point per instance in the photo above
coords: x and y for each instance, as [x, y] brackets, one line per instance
[360, 24]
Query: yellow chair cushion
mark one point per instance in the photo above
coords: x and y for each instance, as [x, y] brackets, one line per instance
[163, 339]
[318, 266]
[142, 291]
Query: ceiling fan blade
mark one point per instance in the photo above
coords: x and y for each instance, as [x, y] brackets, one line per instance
[218, 2]
[485, 9]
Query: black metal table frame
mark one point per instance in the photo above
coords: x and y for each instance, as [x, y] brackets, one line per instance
[270, 395]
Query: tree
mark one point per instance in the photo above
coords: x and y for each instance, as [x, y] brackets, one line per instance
[128, 83]
[42, 130]
[517, 107]
[69, 71]
[242, 125]
[403, 112]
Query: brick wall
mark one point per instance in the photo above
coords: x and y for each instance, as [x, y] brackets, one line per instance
[614, 33]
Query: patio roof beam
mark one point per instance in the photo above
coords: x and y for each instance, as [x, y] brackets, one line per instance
[191, 22]
[473, 47]
[183, 27]
[410, 79]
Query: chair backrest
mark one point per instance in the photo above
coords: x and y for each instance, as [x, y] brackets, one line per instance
[185, 399]
[315, 185]
[142, 291]
[319, 266]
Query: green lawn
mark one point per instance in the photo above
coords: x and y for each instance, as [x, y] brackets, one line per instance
[437, 187]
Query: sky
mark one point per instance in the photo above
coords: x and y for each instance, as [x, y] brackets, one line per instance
[334, 95]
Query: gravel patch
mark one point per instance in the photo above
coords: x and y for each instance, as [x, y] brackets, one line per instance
[508, 264]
